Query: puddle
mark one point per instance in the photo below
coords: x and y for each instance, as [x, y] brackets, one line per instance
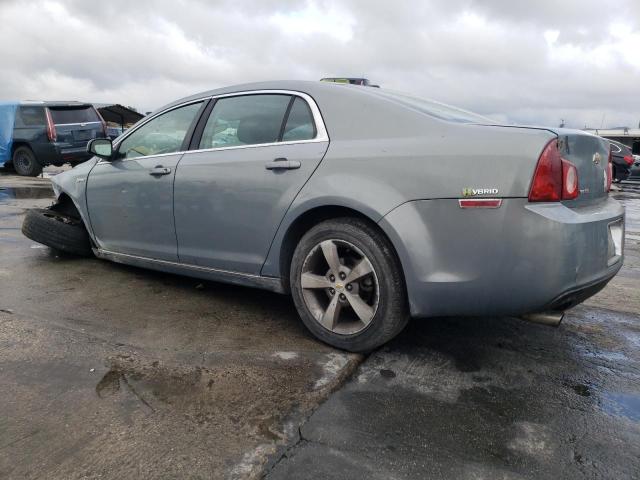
[622, 405]
[386, 373]
[25, 193]
[582, 389]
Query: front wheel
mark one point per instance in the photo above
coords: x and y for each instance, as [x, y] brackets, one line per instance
[57, 230]
[348, 286]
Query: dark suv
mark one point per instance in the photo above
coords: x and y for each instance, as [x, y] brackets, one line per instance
[53, 133]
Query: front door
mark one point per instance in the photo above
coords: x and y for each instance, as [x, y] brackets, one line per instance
[255, 153]
[130, 199]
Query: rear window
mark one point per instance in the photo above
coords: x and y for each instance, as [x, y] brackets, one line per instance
[64, 115]
[437, 109]
[30, 117]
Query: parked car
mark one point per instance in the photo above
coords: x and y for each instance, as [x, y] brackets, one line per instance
[114, 132]
[50, 133]
[635, 168]
[345, 198]
[622, 160]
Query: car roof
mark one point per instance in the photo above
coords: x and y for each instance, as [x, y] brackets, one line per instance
[56, 103]
[303, 86]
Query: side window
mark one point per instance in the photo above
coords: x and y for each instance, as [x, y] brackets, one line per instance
[245, 120]
[30, 117]
[300, 124]
[163, 134]
[615, 148]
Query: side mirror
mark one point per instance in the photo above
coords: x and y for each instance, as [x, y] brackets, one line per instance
[100, 147]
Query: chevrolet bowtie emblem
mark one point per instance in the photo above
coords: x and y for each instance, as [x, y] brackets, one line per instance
[596, 158]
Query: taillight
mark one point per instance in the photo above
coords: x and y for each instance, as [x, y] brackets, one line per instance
[608, 173]
[52, 135]
[555, 178]
[628, 159]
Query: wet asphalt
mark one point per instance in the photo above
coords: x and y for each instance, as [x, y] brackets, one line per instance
[108, 371]
[492, 398]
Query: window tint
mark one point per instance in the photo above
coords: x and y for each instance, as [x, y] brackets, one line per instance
[30, 117]
[163, 134]
[615, 148]
[73, 115]
[245, 120]
[300, 124]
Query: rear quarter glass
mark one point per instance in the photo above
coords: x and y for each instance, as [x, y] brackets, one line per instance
[30, 116]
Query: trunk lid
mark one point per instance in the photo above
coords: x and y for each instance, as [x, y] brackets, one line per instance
[590, 155]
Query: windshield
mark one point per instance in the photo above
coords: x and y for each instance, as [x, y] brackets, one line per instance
[436, 109]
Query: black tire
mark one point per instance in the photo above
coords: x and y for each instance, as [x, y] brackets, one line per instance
[56, 230]
[25, 163]
[391, 315]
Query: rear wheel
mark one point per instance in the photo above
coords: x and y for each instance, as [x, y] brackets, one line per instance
[57, 230]
[347, 285]
[25, 163]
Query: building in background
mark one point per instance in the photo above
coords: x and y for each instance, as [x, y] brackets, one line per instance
[118, 117]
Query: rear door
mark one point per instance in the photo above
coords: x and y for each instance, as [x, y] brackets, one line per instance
[76, 125]
[254, 154]
[130, 199]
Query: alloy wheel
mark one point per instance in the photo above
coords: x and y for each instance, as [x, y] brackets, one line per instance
[340, 287]
[23, 161]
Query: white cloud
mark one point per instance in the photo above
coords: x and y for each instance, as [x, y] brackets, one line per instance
[529, 62]
[313, 20]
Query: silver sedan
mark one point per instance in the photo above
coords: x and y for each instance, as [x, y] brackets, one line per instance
[368, 206]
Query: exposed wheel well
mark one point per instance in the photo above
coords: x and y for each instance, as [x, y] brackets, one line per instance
[66, 206]
[308, 220]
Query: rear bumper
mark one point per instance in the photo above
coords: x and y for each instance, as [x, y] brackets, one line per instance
[580, 293]
[58, 153]
[74, 154]
[516, 259]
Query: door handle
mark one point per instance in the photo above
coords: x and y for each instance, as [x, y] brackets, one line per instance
[159, 170]
[283, 164]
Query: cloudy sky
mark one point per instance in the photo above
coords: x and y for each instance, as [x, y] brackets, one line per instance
[524, 61]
